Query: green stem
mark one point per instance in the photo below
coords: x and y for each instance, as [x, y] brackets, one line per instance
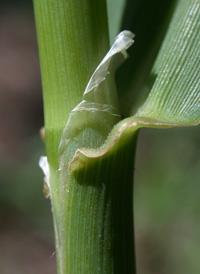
[92, 208]
[72, 38]
[97, 220]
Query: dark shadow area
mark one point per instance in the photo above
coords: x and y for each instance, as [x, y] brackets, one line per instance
[149, 22]
[18, 3]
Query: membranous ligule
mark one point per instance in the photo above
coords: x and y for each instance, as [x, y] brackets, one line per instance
[93, 118]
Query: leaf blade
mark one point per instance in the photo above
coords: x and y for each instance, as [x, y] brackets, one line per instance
[175, 94]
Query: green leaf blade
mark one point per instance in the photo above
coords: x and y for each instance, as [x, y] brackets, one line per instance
[175, 94]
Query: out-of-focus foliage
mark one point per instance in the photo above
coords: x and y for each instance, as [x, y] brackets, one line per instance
[167, 201]
[26, 233]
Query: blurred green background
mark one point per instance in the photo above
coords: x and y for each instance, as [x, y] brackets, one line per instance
[26, 230]
[167, 191]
